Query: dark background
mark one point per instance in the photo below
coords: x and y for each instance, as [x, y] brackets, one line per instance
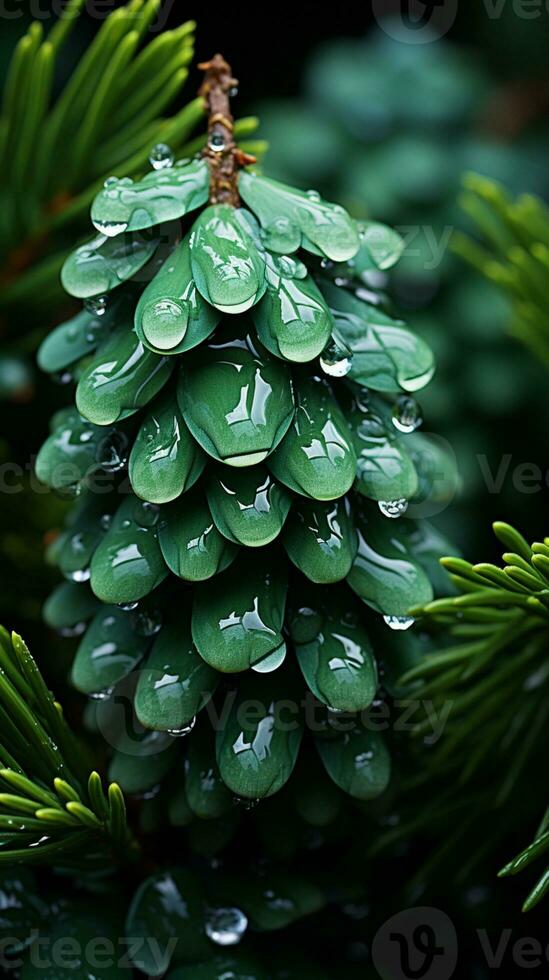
[268, 43]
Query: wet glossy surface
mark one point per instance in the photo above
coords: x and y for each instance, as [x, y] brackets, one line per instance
[191, 545]
[316, 458]
[338, 664]
[162, 195]
[172, 316]
[85, 526]
[69, 606]
[168, 904]
[72, 340]
[320, 539]
[165, 460]
[226, 258]
[110, 649]
[248, 506]
[358, 762]
[292, 320]
[273, 899]
[102, 264]
[73, 450]
[385, 470]
[236, 399]
[121, 378]
[327, 226]
[385, 573]
[239, 624]
[207, 795]
[380, 246]
[385, 354]
[146, 758]
[257, 751]
[128, 563]
[174, 682]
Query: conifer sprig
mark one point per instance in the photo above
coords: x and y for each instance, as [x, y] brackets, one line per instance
[514, 253]
[51, 810]
[496, 678]
[56, 152]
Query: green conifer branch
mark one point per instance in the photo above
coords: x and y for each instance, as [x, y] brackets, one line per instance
[51, 810]
[55, 154]
[514, 253]
[492, 735]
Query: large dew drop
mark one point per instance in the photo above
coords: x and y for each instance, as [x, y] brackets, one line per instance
[393, 508]
[161, 156]
[165, 323]
[406, 414]
[96, 306]
[225, 926]
[111, 228]
[399, 622]
[336, 361]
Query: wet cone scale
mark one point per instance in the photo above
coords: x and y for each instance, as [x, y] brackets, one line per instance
[242, 450]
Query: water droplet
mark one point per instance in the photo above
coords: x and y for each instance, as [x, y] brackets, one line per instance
[233, 92]
[216, 142]
[313, 196]
[362, 399]
[149, 622]
[128, 606]
[185, 730]
[70, 631]
[393, 508]
[101, 695]
[247, 804]
[367, 296]
[406, 414]
[161, 156]
[399, 622]
[291, 267]
[110, 182]
[147, 514]
[225, 926]
[271, 662]
[326, 264]
[335, 360]
[79, 575]
[106, 521]
[111, 228]
[114, 453]
[96, 306]
[63, 378]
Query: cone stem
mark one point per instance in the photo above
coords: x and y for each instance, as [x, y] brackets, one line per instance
[223, 156]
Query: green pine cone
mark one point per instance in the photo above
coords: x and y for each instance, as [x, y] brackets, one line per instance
[241, 439]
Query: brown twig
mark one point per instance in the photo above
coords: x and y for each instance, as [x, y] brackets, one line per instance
[223, 156]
